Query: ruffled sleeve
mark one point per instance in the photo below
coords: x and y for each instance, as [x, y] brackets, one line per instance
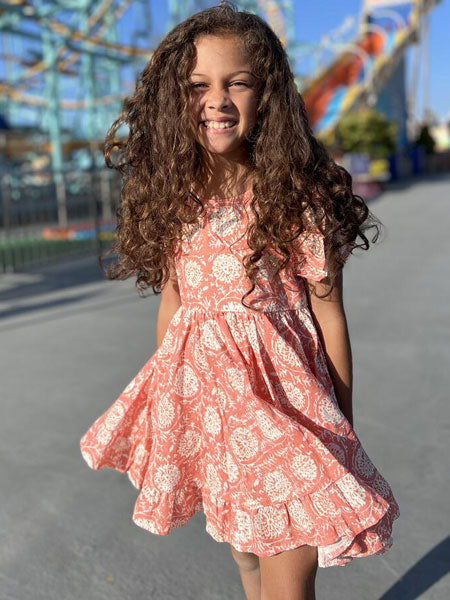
[310, 257]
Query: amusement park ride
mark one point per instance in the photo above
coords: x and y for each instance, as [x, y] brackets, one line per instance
[68, 64]
[370, 71]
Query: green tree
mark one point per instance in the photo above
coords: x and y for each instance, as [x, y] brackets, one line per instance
[426, 140]
[367, 131]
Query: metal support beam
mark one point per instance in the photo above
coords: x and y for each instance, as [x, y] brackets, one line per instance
[53, 123]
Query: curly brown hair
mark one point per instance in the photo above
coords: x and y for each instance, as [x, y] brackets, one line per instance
[297, 186]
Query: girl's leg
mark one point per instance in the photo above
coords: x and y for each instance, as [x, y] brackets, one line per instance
[289, 575]
[249, 571]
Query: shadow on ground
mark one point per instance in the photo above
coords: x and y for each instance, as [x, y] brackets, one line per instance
[423, 575]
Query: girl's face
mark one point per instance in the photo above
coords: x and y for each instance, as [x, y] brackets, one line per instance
[222, 89]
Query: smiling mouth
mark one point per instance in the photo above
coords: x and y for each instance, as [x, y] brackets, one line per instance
[219, 129]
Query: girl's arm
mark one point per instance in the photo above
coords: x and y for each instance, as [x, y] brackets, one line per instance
[331, 324]
[170, 302]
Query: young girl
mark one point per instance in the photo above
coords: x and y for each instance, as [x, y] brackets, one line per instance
[238, 215]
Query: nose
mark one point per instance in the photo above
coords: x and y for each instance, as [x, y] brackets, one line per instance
[217, 99]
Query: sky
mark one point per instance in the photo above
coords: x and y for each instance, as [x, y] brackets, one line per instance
[315, 18]
[312, 20]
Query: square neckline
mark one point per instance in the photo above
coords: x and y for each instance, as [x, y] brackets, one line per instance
[215, 200]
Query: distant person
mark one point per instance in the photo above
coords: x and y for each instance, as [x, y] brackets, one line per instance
[237, 214]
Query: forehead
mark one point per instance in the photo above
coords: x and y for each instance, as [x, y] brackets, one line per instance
[215, 53]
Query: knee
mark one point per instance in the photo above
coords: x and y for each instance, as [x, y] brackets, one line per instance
[246, 561]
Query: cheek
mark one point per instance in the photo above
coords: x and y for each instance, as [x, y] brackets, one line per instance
[250, 113]
[194, 113]
[250, 106]
[194, 105]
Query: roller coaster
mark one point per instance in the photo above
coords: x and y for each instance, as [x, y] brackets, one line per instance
[66, 66]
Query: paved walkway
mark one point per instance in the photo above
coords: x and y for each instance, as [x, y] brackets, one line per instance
[71, 341]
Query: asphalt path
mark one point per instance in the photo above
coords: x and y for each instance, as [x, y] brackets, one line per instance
[72, 340]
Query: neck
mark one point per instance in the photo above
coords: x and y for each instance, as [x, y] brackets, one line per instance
[224, 175]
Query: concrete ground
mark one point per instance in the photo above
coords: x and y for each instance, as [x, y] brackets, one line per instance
[70, 343]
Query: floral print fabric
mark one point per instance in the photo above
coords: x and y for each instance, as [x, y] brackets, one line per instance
[235, 413]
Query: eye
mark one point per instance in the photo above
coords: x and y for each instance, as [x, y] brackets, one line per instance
[195, 85]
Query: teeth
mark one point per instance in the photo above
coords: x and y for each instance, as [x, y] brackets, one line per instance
[218, 124]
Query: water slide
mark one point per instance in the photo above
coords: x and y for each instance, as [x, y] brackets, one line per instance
[364, 64]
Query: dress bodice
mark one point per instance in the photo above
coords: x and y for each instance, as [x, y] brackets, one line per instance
[209, 266]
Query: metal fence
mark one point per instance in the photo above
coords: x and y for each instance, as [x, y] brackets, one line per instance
[39, 222]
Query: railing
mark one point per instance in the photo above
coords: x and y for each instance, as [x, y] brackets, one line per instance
[31, 228]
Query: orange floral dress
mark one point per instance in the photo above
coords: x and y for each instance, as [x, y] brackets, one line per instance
[235, 413]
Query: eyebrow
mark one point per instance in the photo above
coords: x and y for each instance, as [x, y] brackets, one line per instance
[231, 74]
